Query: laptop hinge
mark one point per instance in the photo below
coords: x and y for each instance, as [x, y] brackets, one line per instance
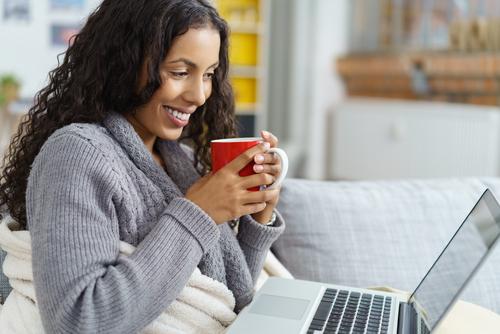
[407, 321]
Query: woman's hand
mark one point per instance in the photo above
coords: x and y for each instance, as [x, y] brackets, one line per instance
[268, 163]
[224, 195]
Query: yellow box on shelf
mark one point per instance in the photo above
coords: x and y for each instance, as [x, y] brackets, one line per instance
[245, 90]
[247, 109]
[243, 49]
[239, 11]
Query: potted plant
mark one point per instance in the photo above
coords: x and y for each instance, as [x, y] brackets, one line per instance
[9, 89]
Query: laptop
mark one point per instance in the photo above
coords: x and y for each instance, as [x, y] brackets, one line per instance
[297, 306]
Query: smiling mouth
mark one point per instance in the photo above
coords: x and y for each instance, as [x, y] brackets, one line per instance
[182, 116]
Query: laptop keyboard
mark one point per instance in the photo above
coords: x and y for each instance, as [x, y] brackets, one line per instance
[342, 311]
[423, 328]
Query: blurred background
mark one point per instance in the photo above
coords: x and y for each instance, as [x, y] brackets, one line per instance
[354, 89]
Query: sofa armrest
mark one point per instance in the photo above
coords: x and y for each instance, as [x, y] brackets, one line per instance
[5, 287]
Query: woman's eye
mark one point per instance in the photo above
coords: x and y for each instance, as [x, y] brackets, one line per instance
[209, 76]
[179, 74]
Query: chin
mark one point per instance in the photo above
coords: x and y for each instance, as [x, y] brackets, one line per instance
[170, 134]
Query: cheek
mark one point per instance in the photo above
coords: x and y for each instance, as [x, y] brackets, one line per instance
[168, 87]
[208, 90]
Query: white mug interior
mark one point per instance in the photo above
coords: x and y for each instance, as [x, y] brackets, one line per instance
[237, 140]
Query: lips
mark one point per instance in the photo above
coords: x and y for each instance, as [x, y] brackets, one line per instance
[178, 118]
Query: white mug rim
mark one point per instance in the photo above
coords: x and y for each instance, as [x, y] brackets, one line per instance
[236, 140]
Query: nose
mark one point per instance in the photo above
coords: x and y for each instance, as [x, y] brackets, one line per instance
[196, 92]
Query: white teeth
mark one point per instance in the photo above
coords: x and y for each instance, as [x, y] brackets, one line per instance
[177, 114]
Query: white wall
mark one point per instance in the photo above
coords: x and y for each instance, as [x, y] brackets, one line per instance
[329, 39]
[25, 47]
[306, 36]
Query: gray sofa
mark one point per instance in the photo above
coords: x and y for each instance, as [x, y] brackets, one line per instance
[383, 233]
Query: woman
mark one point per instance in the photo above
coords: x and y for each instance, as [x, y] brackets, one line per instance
[98, 161]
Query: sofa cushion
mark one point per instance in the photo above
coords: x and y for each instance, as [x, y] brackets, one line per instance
[385, 233]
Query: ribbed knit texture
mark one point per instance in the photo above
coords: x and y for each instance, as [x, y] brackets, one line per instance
[93, 185]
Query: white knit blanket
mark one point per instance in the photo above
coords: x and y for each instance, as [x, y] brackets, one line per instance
[203, 306]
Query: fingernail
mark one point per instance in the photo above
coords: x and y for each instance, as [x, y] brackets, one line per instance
[266, 145]
[259, 158]
[265, 134]
[258, 168]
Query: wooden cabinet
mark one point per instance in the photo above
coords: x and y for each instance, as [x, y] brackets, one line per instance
[390, 139]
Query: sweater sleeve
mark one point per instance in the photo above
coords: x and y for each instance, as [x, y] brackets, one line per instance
[255, 240]
[82, 283]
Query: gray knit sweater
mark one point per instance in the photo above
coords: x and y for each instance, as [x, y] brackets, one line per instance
[94, 185]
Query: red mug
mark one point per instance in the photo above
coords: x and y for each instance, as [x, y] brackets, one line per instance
[226, 150]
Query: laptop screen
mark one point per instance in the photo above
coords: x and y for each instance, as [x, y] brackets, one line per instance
[458, 261]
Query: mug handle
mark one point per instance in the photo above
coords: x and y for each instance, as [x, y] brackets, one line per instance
[284, 166]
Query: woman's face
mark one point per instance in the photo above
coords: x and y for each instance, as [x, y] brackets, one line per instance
[186, 75]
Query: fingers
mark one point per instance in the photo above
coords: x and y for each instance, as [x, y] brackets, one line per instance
[243, 159]
[266, 158]
[270, 138]
[261, 196]
[268, 169]
[268, 162]
[256, 180]
[257, 200]
[253, 208]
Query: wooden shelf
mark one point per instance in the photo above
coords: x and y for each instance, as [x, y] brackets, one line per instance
[246, 71]
[451, 76]
[463, 76]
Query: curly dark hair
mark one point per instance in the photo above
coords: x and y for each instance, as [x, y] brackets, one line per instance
[100, 74]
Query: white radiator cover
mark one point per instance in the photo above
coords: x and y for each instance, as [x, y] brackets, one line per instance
[387, 139]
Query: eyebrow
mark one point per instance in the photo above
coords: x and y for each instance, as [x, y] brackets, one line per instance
[190, 63]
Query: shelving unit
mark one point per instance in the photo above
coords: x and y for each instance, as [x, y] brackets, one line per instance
[472, 77]
[447, 47]
[247, 55]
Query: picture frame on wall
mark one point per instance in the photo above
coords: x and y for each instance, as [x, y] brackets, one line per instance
[61, 34]
[16, 10]
[67, 4]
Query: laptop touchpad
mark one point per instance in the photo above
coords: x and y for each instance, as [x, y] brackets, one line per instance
[278, 306]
